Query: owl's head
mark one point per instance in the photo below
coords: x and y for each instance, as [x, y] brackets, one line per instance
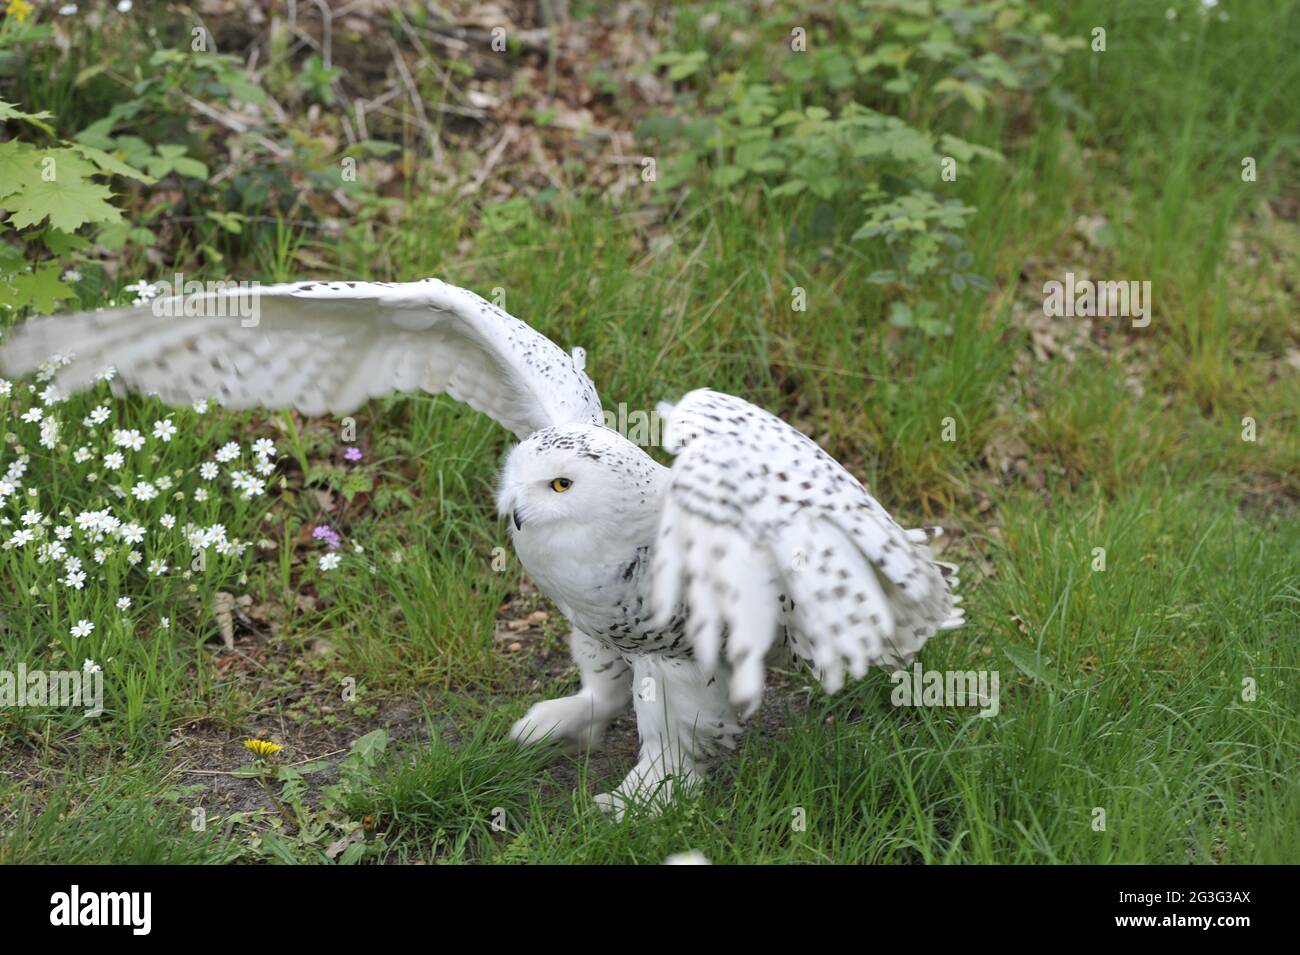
[580, 474]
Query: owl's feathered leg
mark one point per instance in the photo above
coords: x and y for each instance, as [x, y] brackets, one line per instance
[581, 718]
[684, 719]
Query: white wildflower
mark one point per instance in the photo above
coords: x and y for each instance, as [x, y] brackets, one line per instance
[128, 439]
[52, 550]
[50, 433]
[144, 491]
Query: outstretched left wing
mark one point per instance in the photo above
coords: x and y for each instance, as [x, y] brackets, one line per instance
[320, 347]
[764, 534]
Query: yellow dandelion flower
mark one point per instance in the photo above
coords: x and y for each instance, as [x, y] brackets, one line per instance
[20, 10]
[262, 748]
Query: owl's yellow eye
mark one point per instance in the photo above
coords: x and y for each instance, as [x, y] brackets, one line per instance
[560, 485]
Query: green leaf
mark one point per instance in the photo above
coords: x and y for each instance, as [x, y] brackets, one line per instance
[232, 222]
[110, 164]
[369, 747]
[98, 134]
[17, 166]
[963, 151]
[1029, 663]
[190, 167]
[42, 288]
[115, 235]
[172, 158]
[167, 58]
[61, 243]
[900, 315]
[68, 201]
[682, 65]
[728, 176]
[9, 111]
[975, 96]
[353, 853]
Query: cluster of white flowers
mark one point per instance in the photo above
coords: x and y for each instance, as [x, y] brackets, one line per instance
[130, 518]
[13, 478]
[144, 291]
[247, 483]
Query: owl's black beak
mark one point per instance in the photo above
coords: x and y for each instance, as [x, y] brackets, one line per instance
[519, 524]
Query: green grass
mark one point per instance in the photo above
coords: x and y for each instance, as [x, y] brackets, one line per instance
[1121, 690]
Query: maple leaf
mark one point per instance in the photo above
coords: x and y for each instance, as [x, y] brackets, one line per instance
[69, 202]
[40, 288]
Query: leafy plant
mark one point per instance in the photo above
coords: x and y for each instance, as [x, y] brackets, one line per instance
[835, 120]
[51, 192]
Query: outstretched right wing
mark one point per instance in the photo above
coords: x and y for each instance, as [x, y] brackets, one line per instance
[320, 347]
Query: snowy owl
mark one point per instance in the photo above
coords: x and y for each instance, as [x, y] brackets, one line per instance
[681, 584]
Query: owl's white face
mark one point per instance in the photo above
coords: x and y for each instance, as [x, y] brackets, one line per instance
[578, 476]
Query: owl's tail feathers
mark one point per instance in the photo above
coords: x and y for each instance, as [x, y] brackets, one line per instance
[956, 615]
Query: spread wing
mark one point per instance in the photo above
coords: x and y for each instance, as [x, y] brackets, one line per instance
[765, 539]
[320, 347]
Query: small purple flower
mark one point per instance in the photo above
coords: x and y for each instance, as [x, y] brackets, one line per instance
[327, 534]
[352, 454]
